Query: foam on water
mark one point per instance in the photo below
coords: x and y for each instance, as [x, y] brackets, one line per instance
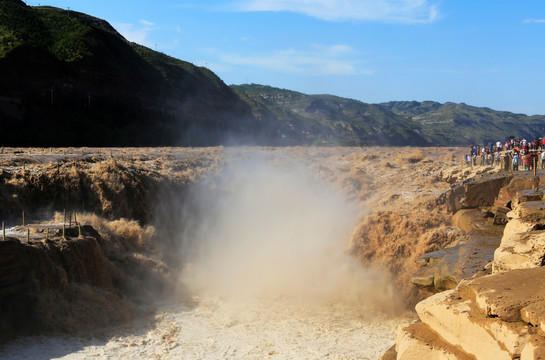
[264, 249]
[218, 329]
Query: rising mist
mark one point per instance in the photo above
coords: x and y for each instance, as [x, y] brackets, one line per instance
[268, 227]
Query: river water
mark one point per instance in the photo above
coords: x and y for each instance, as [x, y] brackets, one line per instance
[269, 278]
[214, 328]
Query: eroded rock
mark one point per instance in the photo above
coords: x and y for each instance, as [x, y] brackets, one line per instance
[503, 295]
[460, 323]
[520, 251]
[483, 192]
[502, 315]
[534, 314]
[500, 216]
[417, 341]
[510, 191]
[523, 244]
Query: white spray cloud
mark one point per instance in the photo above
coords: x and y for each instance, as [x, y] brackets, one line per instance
[404, 11]
[269, 229]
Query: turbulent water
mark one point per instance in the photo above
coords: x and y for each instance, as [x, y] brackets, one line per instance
[267, 276]
[218, 329]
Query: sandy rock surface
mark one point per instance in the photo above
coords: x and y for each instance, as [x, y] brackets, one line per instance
[497, 316]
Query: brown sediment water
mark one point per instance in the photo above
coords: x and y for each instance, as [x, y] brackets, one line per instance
[288, 253]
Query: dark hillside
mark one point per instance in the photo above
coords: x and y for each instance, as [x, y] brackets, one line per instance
[67, 78]
[70, 79]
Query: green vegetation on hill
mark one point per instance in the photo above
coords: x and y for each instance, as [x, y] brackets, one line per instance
[70, 79]
[350, 122]
[47, 27]
[67, 78]
[461, 124]
[331, 120]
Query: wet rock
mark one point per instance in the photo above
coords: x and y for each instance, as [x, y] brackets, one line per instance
[452, 198]
[513, 188]
[500, 216]
[478, 240]
[426, 281]
[445, 281]
[18, 291]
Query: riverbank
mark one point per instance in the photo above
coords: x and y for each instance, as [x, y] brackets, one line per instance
[498, 311]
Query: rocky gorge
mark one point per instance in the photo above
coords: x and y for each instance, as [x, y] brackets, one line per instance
[460, 243]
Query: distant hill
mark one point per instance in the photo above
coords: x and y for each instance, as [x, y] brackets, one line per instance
[451, 123]
[335, 120]
[327, 119]
[70, 79]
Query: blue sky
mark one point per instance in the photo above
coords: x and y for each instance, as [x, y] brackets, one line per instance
[481, 52]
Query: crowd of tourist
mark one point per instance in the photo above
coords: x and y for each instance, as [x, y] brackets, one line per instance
[514, 153]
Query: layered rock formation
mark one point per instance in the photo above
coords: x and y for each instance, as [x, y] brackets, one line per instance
[497, 316]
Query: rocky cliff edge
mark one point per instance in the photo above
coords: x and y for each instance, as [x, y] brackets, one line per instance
[495, 316]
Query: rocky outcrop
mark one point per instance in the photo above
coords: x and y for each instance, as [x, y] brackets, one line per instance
[513, 188]
[497, 316]
[493, 317]
[523, 242]
[475, 193]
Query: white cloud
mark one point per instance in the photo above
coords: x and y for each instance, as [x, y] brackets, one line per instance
[528, 21]
[146, 23]
[318, 60]
[136, 33]
[461, 71]
[404, 11]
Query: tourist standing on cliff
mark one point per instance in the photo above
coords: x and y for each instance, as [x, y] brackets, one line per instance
[516, 162]
[543, 159]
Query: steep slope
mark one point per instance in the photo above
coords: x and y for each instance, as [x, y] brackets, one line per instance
[460, 124]
[67, 78]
